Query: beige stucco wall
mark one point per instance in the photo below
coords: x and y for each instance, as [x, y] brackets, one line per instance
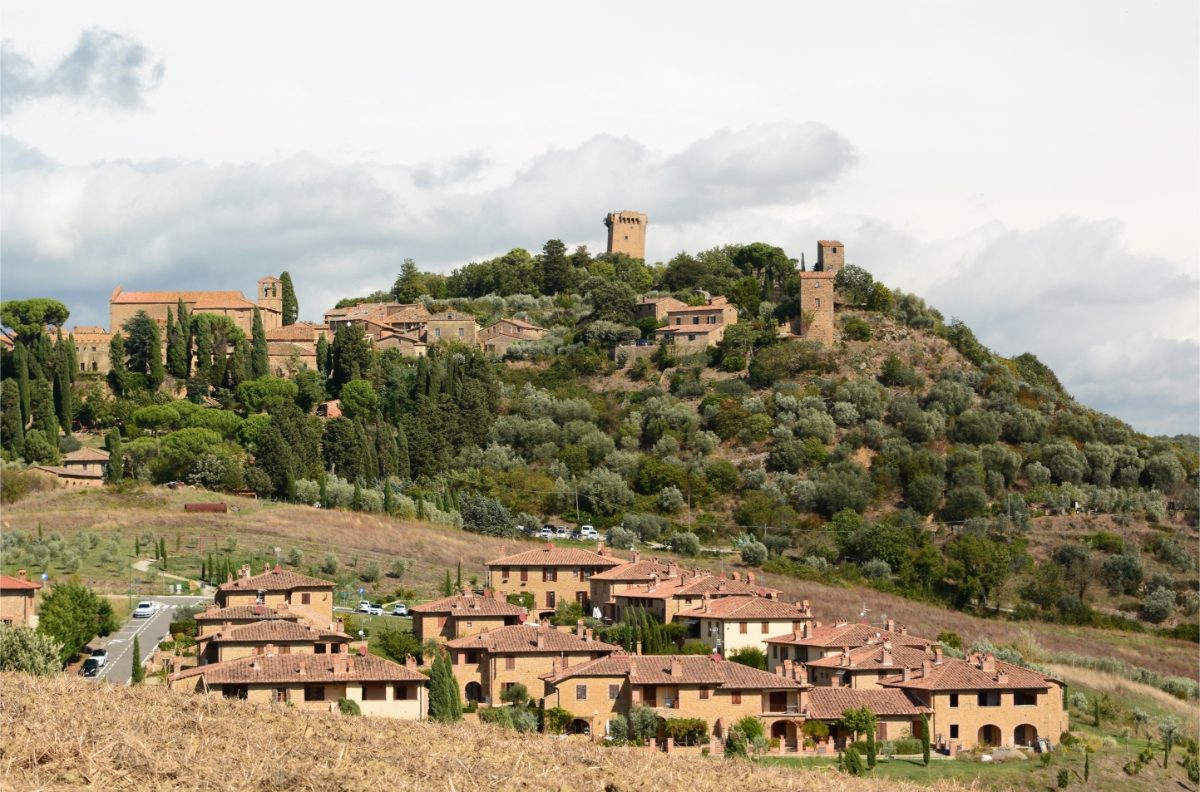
[492, 673]
[569, 583]
[729, 635]
[319, 608]
[1047, 716]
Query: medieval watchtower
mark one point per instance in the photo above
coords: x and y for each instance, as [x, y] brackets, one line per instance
[831, 256]
[627, 233]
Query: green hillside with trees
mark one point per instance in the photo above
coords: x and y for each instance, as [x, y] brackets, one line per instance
[907, 457]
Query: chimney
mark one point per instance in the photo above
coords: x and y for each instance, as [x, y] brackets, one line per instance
[937, 654]
[282, 607]
[301, 669]
[716, 656]
[487, 592]
[637, 648]
[278, 568]
[890, 625]
[905, 674]
[1002, 677]
[541, 638]
[887, 654]
[258, 608]
[632, 667]
[988, 664]
[341, 625]
[788, 669]
[672, 569]
[466, 590]
[225, 625]
[835, 680]
[750, 578]
[903, 629]
[410, 662]
[926, 667]
[676, 668]
[548, 547]
[735, 575]
[637, 556]
[269, 649]
[362, 649]
[800, 671]
[587, 635]
[845, 656]
[23, 574]
[579, 628]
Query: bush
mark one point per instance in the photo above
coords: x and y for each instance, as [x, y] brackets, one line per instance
[515, 694]
[643, 722]
[485, 515]
[750, 656]
[856, 329]
[670, 499]
[686, 731]
[25, 650]
[348, 707]
[1158, 604]
[618, 728]
[685, 543]
[621, 538]
[754, 553]
[876, 569]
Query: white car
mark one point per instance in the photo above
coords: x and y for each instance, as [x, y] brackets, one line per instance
[100, 656]
[364, 606]
[399, 609]
[144, 610]
[375, 609]
[562, 532]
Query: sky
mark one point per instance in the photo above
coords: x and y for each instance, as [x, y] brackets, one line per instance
[1032, 168]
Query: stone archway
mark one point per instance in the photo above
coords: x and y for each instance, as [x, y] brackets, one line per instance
[473, 691]
[579, 726]
[1026, 734]
[988, 735]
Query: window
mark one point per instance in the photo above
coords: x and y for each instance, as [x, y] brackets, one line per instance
[703, 694]
[524, 574]
[953, 699]
[989, 698]
[305, 598]
[743, 627]
[437, 332]
[504, 572]
[1025, 698]
[281, 695]
[319, 648]
[581, 692]
[766, 627]
[400, 692]
[260, 598]
[551, 599]
[374, 692]
[460, 332]
[817, 303]
[549, 574]
[953, 731]
[314, 692]
[614, 691]
[735, 697]
[285, 649]
[695, 320]
[235, 691]
[510, 662]
[581, 598]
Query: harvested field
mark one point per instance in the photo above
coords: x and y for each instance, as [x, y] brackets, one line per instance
[63, 733]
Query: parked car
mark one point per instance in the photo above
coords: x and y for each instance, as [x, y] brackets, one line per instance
[562, 532]
[588, 532]
[375, 609]
[547, 532]
[100, 656]
[399, 609]
[90, 668]
[364, 606]
[144, 610]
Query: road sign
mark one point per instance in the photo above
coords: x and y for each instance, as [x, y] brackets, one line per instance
[362, 591]
[45, 576]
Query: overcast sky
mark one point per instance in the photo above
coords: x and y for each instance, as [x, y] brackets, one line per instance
[1029, 167]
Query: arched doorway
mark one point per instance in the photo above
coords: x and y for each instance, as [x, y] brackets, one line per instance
[779, 730]
[989, 735]
[1025, 734]
[474, 691]
[579, 726]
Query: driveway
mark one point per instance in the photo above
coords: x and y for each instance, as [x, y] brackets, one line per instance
[149, 632]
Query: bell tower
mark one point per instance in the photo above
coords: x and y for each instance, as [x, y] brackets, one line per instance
[270, 301]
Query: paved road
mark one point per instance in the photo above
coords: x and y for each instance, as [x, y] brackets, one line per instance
[119, 667]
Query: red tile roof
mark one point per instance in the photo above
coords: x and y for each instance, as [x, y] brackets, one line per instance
[955, 674]
[635, 571]
[276, 579]
[300, 331]
[469, 605]
[86, 455]
[274, 631]
[8, 582]
[689, 670]
[852, 635]
[876, 657]
[206, 299]
[752, 607]
[550, 555]
[828, 703]
[303, 669]
[239, 612]
[523, 639]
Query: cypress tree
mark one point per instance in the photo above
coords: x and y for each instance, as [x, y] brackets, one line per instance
[116, 457]
[240, 368]
[323, 356]
[204, 347]
[176, 354]
[64, 400]
[139, 671]
[1087, 764]
[259, 361]
[12, 428]
[388, 505]
[21, 363]
[925, 739]
[403, 466]
[72, 357]
[44, 415]
[458, 577]
[291, 307]
[871, 756]
[185, 335]
[447, 585]
[116, 364]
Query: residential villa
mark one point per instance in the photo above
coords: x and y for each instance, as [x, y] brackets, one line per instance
[83, 467]
[896, 714]
[669, 597]
[285, 636]
[488, 663]
[863, 667]
[729, 624]
[311, 598]
[215, 618]
[499, 336]
[86, 460]
[19, 600]
[812, 640]
[311, 681]
[463, 614]
[551, 574]
[981, 701]
[698, 326]
[678, 686]
[657, 308]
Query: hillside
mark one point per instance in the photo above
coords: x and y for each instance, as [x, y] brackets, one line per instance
[67, 733]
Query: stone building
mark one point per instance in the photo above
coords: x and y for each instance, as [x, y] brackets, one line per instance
[813, 641]
[815, 321]
[86, 460]
[488, 663]
[627, 233]
[19, 600]
[286, 636]
[123, 305]
[309, 597]
[214, 618]
[698, 326]
[862, 668]
[463, 614]
[497, 337]
[667, 598]
[551, 574]
[91, 349]
[729, 624]
[657, 308]
[70, 477]
[457, 326]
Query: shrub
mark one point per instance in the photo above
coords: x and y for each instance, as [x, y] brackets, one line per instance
[750, 656]
[856, 329]
[485, 515]
[1158, 604]
[896, 373]
[330, 564]
[877, 569]
[621, 538]
[670, 499]
[23, 649]
[618, 728]
[754, 553]
[497, 716]
[643, 722]
[348, 707]
[686, 731]
[685, 543]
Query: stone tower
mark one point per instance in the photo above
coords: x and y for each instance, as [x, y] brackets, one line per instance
[831, 256]
[627, 233]
[270, 300]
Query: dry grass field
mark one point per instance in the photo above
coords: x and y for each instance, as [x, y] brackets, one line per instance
[65, 733]
[434, 549]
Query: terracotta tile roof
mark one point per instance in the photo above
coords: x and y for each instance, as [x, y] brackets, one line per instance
[467, 605]
[852, 635]
[522, 638]
[220, 302]
[828, 703]
[753, 607]
[303, 669]
[829, 242]
[692, 583]
[8, 582]
[300, 331]
[550, 555]
[209, 299]
[86, 455]
[282, 348]
[276, 579]
[634, 571]
[516, 323]
[955, 674]
[69, 472]
[689, 670]
[237, 612]
[876, 657]
[273, 631]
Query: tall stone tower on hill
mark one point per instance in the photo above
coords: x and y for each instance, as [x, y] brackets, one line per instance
[831, 256]
[627, 233]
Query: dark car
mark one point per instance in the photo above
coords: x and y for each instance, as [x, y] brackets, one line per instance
[90, 668]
